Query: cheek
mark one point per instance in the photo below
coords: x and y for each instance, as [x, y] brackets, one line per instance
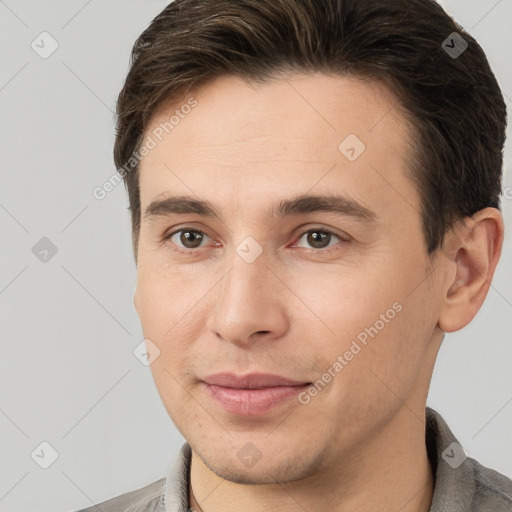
[343, 302]
[163, 298]
[368, 320]
[165, 308]
[168, 306]
[389, 363]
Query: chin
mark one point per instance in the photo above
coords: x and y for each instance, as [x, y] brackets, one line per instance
[288, 467]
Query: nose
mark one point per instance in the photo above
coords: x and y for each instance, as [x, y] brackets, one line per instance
[250, 304]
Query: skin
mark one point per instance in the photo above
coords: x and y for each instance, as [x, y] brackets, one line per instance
[359, 443]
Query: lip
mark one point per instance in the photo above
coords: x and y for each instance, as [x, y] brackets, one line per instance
[251, 380]
[252, 394]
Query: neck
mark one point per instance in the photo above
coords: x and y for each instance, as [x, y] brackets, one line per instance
[389, 472]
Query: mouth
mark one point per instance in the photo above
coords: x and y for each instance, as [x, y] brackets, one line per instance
[253, 394]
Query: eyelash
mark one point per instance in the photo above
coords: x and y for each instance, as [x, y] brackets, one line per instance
[310, 230]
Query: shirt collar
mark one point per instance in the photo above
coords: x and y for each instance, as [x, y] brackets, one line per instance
[453, 472]
[176, 498]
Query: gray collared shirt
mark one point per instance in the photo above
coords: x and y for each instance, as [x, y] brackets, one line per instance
[461, 483]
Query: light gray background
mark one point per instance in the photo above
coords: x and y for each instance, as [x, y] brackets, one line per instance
[68, 374]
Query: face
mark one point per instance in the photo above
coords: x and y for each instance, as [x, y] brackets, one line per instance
[298, 251]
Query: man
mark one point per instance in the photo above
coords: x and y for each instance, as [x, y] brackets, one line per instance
[314, 190]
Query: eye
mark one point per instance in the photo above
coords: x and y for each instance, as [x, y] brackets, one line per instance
[187, 239]
[319, 238]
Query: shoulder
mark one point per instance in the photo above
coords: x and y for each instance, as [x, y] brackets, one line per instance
[461, 482]
[147, 499]
[491, 489]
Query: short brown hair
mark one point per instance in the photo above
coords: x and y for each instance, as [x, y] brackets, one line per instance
[454, 104]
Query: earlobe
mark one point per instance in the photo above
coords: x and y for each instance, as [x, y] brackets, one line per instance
[473, 248]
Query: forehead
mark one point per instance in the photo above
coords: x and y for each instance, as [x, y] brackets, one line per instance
[288, 132]
[318, 106]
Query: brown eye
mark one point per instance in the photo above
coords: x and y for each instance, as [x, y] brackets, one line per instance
[188, 238]
[319, 238]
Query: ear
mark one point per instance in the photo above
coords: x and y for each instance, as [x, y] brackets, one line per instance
[473, 249]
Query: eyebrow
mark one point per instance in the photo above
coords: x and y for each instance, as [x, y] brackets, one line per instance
[303, 204]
